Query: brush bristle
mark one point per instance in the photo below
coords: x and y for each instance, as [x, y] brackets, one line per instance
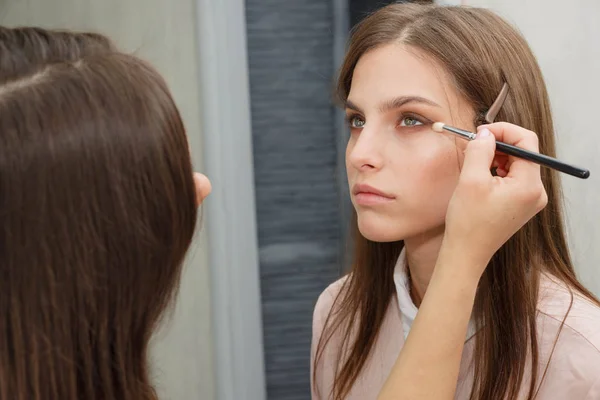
[438, 126]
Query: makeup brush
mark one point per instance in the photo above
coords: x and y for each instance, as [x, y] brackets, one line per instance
[519, 152]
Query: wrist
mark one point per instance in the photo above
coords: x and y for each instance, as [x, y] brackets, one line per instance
[460, 264]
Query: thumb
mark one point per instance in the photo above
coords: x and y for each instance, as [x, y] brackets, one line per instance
[480, 154]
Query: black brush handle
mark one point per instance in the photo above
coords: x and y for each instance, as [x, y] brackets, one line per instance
[542, 160]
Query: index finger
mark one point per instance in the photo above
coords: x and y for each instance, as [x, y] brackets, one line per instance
[520, 137]
[513, 134]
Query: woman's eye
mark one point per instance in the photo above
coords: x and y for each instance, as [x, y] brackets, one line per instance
[410, 121]
[356, 122]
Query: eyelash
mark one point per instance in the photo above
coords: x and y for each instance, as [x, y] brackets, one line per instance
[403, 116]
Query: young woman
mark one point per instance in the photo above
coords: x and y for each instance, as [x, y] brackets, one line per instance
[481, 254]
[98, 206]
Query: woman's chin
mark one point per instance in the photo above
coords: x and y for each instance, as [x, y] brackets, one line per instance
[379, 231]
[385, 229]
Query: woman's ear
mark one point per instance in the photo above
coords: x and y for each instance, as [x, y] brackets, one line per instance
[203, 187]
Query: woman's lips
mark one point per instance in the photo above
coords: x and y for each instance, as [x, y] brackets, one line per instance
[368, 195]
[370, 199]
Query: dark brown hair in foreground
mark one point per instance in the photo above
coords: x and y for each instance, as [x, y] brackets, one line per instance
[97, 211]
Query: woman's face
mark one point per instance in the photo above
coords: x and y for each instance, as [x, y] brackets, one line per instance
[401, 173]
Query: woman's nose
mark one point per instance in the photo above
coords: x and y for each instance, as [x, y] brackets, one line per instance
[365, 153]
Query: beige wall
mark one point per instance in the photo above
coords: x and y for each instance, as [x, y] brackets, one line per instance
[162, 32]
[564, 37]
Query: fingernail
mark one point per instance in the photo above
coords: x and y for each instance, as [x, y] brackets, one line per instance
[483, 133]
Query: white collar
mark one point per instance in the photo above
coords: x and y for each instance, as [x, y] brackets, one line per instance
[407, 306]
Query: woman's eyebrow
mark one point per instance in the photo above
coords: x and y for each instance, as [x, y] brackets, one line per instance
[394, 103]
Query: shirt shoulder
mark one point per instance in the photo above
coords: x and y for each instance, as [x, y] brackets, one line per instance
[568, 330]
[576, 313]
[327, 298]
[324, 379]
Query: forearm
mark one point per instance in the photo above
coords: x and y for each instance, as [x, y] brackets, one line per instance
[428, 365]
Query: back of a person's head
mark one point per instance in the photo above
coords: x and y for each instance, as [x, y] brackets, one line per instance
[97, 211]
[25, 49]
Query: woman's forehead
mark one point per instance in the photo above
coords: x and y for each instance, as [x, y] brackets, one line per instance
[395, 70]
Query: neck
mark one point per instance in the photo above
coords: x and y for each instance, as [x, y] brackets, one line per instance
[421, 255]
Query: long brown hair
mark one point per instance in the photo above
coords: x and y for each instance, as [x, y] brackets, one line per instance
[97, 211]
[480, 51]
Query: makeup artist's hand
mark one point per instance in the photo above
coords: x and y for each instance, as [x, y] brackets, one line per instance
[203, 187]
[486, 210]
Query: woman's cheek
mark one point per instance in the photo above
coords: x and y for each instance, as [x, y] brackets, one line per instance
[440, 170]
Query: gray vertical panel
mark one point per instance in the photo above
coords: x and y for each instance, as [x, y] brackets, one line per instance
[340, 38]
[290, 46]
[231, 221]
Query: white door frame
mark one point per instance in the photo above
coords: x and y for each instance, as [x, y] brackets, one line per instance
[230, 210]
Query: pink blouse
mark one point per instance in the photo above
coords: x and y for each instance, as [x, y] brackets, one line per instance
[573, 372]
